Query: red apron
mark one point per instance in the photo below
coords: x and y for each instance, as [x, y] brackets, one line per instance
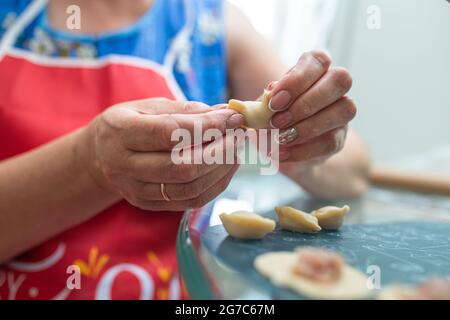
[122, 253]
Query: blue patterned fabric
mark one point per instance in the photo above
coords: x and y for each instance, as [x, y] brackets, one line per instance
[200, 67]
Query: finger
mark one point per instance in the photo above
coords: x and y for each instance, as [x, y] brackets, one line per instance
[198, 202]
[330, 88]
[181, 191]
[320, 147]
[214, 191]
[180, 166]
[159, 168]
[146, 133]
[310, 68]
[335, 116]
[216, 122]
[156, 106]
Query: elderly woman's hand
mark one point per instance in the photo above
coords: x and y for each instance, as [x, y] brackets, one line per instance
[313, 113]
[129, 151]
[312, 109]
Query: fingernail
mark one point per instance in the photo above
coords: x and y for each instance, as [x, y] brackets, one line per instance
[235, 121]
[287, 136]
[282, 120]
[280, 101]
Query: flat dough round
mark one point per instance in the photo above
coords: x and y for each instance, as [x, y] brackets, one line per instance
[331, 218]
[432, 289]
[257, 114]
[246, 225]
[277, 267]
[397, 292]
[297, 221]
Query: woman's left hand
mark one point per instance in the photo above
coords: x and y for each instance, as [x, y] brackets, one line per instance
[312, 109]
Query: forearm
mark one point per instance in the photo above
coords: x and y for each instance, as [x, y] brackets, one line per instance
[45, 192]
[252, 61]
[344, 175]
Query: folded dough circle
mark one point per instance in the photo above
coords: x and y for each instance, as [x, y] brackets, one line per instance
[297, 221]
[246, 225]
[257, 114]
[278, 266]
[331, 218]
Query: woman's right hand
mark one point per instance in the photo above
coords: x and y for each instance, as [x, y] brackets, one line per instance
[127, 150]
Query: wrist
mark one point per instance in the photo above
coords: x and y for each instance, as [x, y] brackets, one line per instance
[86, 161]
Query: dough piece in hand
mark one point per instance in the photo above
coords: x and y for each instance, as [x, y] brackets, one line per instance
[331, 218]
[297, 221]
[341, 281]
[246, 225]
[433, 289]
[256, 113]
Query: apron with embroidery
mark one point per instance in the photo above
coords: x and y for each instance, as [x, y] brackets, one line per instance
[123, 252]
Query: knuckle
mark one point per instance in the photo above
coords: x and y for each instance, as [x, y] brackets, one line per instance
[182, 192]
[109, 172]
[188, 106]
[102, 130]
[306, 108]
[197, 189]
[214, 122]
[190, 191]
[105, 125]
[131, 164]
[342, 79]
[302, 76]
[164, 131]
[111, 115]
[185, 173]
[349, 106]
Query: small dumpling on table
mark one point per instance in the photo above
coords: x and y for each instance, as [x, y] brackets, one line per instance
[297, 221]
[331, 218]
[247, 225]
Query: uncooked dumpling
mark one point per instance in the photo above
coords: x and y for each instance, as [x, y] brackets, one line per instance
[246, 225]
[297, 221]
[279, 268]
[331, 218]
[257, 114]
